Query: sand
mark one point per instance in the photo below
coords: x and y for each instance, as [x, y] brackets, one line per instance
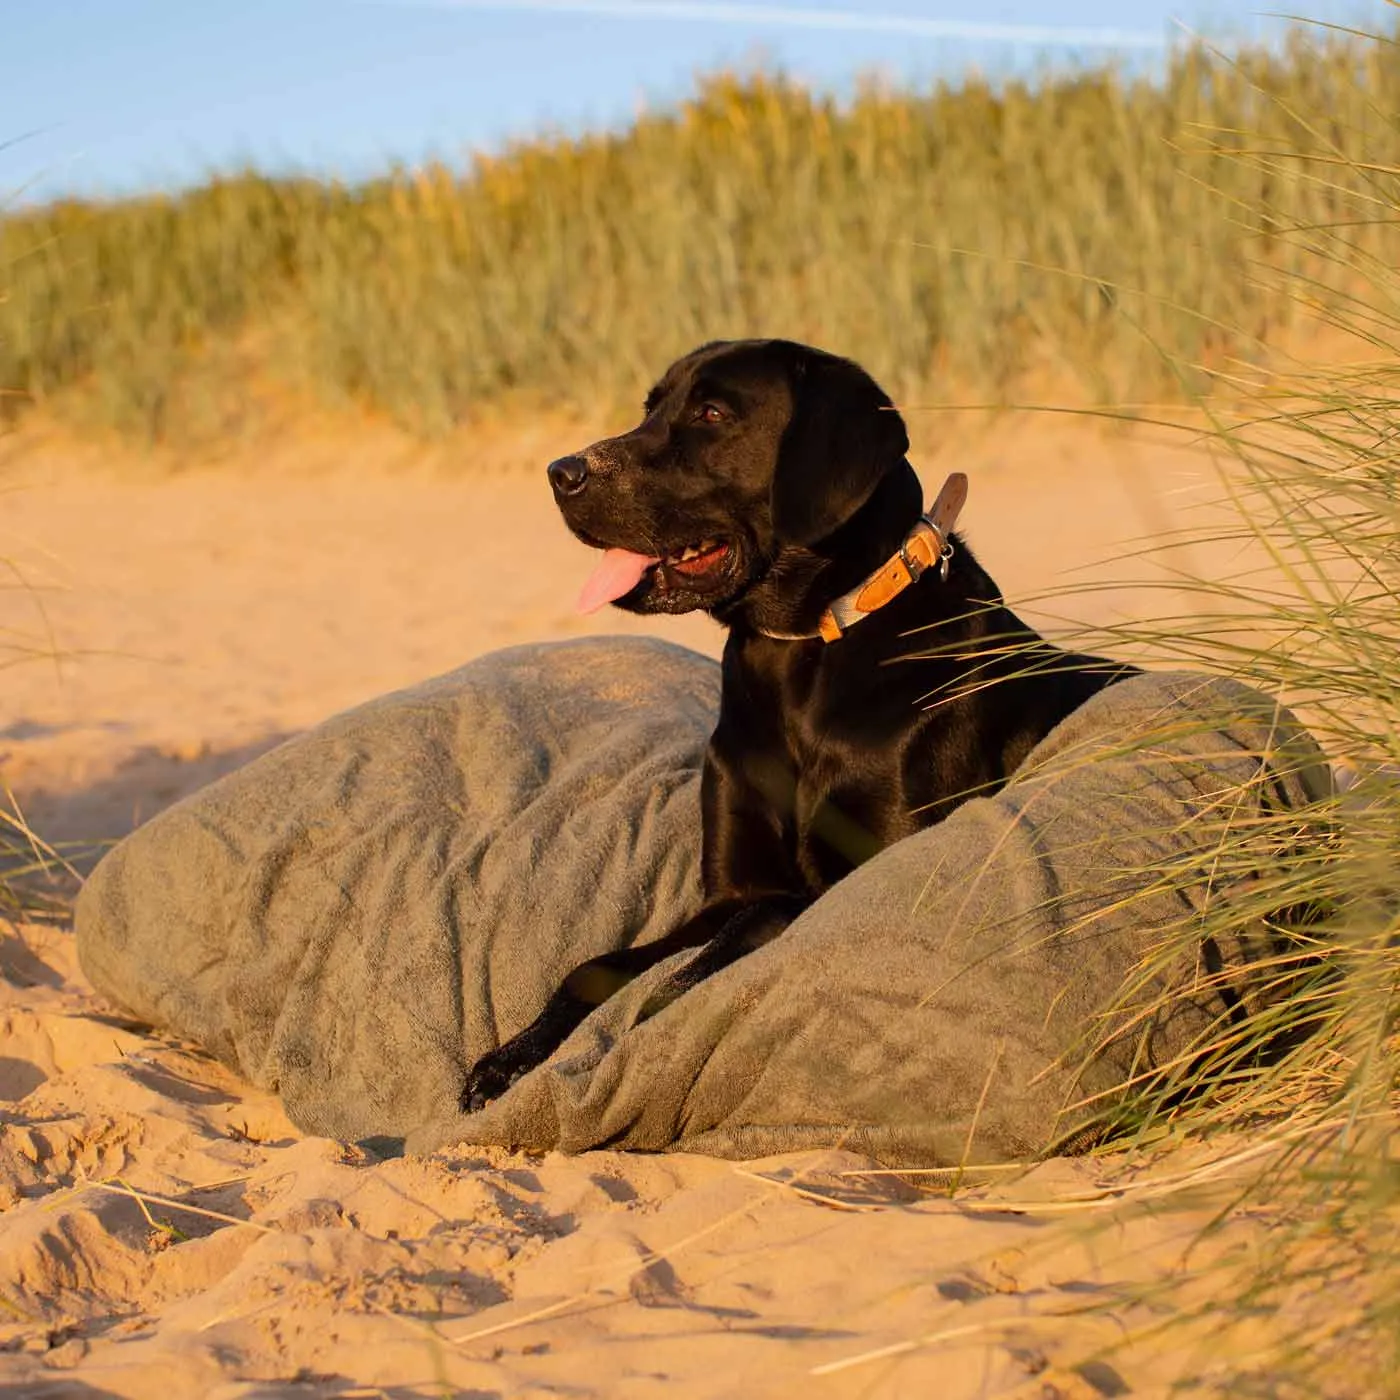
[165, 1231]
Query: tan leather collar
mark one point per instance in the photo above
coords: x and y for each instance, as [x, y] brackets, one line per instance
[927, 544]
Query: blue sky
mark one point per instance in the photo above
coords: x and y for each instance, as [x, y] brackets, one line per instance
[115, 95]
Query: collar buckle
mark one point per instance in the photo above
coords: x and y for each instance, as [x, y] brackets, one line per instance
[927, 544]
[915, 565]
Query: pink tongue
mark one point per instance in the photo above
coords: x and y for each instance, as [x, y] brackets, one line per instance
[619, 572]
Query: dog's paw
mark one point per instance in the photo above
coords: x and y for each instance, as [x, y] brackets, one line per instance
[489, 1078]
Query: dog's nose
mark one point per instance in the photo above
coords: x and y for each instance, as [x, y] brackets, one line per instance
[568, 476]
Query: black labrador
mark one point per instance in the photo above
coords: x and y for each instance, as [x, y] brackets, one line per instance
[872, 677]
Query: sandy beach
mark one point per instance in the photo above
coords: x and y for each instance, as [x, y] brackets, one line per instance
[164, 1230]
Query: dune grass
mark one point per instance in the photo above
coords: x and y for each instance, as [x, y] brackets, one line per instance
[24, 855]
[28, 865]
[1092, 226]
[1289, 922]
[1303, 1063]
[1311, 1059]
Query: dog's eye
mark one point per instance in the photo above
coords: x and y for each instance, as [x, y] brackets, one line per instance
[710, 413]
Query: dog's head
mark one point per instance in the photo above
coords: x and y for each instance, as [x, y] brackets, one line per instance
[747, 451]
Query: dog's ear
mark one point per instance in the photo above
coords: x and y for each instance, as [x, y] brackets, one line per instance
[843, 436]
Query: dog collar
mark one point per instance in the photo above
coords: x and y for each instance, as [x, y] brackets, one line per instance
[927, 544]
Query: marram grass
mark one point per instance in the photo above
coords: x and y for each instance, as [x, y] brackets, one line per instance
[27, 862]
[1289, 922]
[1090, 226]
[1303, 1061]
[28, 867]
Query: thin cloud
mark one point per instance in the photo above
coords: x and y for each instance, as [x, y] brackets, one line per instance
[851, 21]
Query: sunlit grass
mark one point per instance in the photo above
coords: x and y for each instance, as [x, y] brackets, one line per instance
[1092, 226]
[28, 867]
[1290, 916]
[1317, 1041]
[26, 860]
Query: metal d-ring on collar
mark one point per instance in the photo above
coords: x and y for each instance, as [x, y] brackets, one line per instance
[916, 567]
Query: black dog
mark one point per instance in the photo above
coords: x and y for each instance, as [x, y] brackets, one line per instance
[767, 484]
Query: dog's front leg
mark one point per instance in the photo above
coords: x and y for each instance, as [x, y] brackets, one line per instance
[591, 984]
[752, 895]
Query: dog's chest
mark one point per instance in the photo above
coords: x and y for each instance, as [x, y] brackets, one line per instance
[845, 742]
[850, 796]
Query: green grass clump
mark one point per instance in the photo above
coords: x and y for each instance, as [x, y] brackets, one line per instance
[966, 234]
